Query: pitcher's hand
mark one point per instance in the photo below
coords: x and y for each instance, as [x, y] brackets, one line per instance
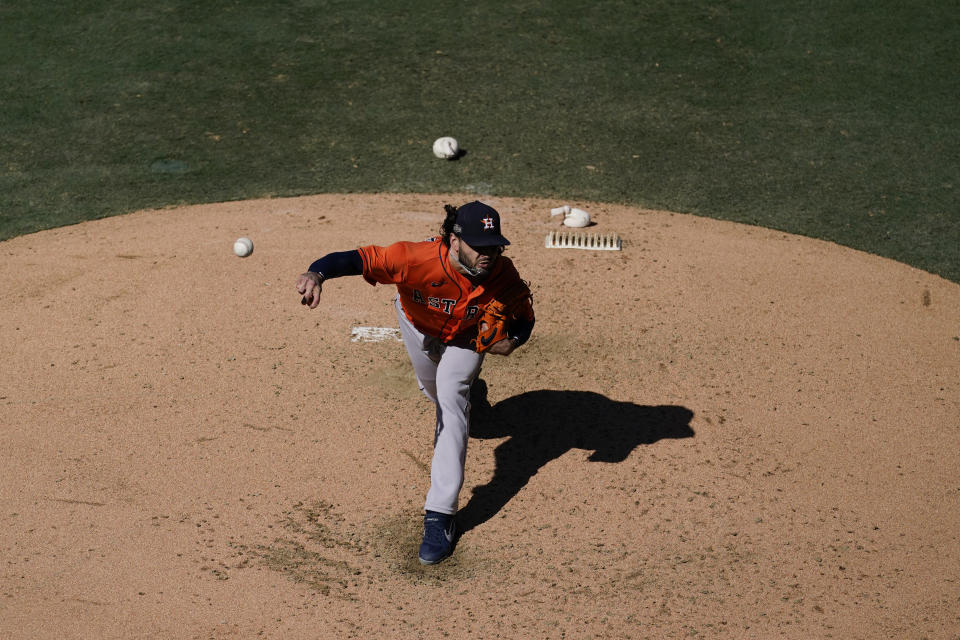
[309, 286]
[503, 347]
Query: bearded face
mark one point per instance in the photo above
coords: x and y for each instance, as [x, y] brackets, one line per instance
[476, 262]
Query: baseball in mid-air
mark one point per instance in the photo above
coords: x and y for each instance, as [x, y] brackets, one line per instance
[446, 148]
[243, 247]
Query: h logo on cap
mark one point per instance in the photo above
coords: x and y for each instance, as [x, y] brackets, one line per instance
[487, 223]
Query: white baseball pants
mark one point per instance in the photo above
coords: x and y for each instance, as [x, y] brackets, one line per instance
[444, 374]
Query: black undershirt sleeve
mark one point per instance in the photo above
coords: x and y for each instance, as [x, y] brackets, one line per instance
[520, 330]
[340, 263]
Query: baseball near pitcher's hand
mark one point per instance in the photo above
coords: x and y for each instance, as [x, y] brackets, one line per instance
[309, 285]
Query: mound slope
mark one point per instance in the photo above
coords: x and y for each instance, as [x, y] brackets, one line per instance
[719, 430]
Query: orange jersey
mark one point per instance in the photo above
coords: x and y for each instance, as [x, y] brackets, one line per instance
[437, 299]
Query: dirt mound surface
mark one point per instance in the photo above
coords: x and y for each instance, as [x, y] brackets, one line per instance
[719, 431]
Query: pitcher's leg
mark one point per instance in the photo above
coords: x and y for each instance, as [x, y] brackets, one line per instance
[422, 352]
[425, 353]
[457, 370]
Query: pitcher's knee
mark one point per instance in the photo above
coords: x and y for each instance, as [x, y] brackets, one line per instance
[452, 392]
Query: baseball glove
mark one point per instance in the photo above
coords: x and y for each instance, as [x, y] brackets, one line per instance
[496, 314]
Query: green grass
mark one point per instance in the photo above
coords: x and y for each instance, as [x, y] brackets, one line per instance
[836, 120]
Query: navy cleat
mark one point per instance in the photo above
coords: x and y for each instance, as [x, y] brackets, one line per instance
[439, 536]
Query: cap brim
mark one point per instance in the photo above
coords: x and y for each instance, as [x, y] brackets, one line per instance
[486, 241]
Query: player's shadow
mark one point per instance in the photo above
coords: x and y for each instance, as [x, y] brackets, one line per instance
[541, 426]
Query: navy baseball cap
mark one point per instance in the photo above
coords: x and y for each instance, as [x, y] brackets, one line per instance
[478, 225]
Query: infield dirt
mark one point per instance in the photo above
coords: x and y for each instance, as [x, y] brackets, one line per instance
[719, 431]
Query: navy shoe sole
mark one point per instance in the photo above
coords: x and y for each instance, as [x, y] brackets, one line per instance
[437, 561]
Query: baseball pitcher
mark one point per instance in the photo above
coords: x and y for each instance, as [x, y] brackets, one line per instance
[458, 298]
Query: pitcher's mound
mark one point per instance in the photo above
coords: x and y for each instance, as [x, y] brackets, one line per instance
[719, 431]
